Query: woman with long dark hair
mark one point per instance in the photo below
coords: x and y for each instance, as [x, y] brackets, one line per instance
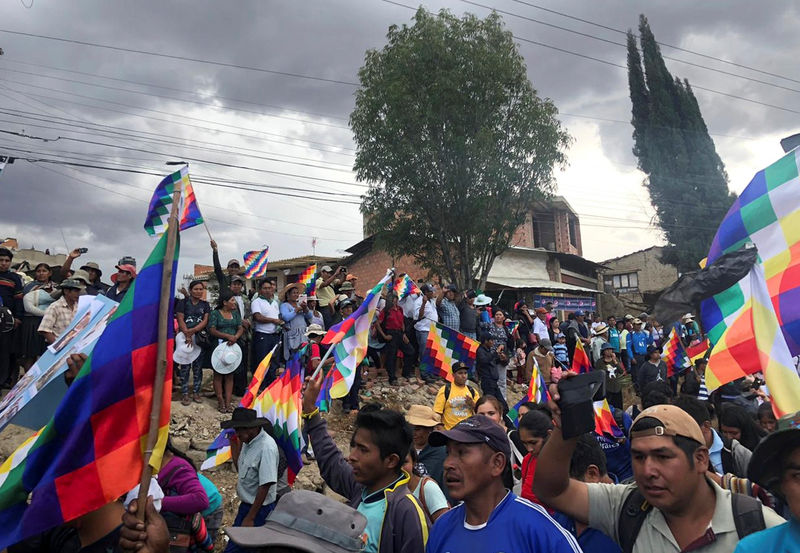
[736, 423]
[31, 344]
[192, 314]
[225, 324]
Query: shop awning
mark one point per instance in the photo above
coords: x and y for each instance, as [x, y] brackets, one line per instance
[538, 284]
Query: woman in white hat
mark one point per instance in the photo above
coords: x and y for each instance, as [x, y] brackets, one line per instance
[37, 296]
[192, 314]
[599, 337]
[297, 317]
[225, 323]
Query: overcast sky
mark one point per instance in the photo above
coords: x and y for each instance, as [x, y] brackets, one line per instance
[148, 109]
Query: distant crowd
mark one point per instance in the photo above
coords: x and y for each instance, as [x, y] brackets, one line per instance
[689, 471]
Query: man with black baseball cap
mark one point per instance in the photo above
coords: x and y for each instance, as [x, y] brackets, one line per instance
[672, 506]
[775, 465]
[490, 517]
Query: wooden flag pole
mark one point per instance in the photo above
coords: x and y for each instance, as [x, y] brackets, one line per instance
[161, 359]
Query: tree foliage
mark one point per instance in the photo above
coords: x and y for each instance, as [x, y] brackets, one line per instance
[454, 141]
[686, 178]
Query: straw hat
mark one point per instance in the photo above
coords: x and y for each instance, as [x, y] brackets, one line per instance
[288, 287]
[93, 265]
[422, 415]
[225, 359]
[599, 329]
[185, 354]
[314, 330]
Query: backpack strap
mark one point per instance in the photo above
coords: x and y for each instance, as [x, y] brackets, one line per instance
[472, 391]
[747, 514]
[631, 517]
[446, 391]
[422, 494]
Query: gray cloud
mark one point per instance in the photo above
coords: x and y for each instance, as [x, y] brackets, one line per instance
[329, 39]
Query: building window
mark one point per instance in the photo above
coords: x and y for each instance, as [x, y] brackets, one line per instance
[544, 231]
[628, 282]
[573, 233]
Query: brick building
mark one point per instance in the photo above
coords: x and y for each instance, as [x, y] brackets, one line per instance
[544, 259]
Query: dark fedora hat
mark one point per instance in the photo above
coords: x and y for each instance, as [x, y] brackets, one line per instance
[243, 418]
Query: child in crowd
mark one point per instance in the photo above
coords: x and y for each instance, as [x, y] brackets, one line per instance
[766, 417]
[560, 349]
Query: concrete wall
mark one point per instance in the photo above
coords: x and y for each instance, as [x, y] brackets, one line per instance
[653, 274]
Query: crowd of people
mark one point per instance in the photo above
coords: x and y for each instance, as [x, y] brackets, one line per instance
[692, 471]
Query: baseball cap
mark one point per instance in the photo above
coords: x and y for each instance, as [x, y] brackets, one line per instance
[233, 262]
[475, 430]
[351, 276]
[237, 278]
[451, 287]
[460, 366]
[306, 521]
[606, 346]
[541, 311]
[72, 283]
[472, 294]
[769, 455]
[426, 288]
[546, 344]
[579, 313]
[674, 422]
[326, 269]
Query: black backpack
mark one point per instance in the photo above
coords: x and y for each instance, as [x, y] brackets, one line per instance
[747, 516]
[472, 391]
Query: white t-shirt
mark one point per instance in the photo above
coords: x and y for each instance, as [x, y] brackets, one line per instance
[410, 305]
[267, 308]
[431, 316]
[540, 329]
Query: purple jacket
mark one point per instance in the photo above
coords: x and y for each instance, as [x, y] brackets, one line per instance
[184, 494]
[405, 524]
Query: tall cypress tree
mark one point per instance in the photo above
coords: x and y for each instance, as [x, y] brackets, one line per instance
[686, 178]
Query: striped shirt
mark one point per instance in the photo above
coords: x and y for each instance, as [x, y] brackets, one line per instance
[702, 395]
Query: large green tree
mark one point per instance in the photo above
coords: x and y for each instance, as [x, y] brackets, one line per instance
[454, 142]
[686, 178]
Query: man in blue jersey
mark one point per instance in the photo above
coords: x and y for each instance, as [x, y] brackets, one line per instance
[637, 343]
[490, 519]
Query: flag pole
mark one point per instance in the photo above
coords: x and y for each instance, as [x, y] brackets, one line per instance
[161, 359]
[207, 231]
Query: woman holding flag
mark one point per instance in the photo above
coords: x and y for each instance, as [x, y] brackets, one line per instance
[297, 317]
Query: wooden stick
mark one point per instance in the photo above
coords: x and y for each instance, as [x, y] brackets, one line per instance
[161, 359]
[208, 231]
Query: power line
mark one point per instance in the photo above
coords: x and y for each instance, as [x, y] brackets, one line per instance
[206, 104]
[694, 52]
[205, 205]
[613, 64]
[179, 58]
[153, 85]
[623, 45]
[96, 99]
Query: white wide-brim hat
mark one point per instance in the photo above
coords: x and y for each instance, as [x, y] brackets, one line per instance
[482, 300]
[185, 354]
[225, 359]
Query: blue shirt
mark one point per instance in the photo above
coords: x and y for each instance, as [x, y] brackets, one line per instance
[618, 455]
[638, 342]
[715, 453]
[784, 539]
[591, 540]
[515, 525]
[561, 353]
[613, 339]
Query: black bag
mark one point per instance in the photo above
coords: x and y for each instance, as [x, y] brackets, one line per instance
[180, 532]
[204, 339]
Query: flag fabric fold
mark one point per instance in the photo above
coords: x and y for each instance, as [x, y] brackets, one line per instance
[255, 263]
[604, 422]
[403, 286]
[219, 451]
[537, 392]
[767, 215]
[306, 278]
[673, 353]
[444, 347]
[349, 342]
[161, 203]
[698, 350]
[281, 404]
[92, 450]
[580, 361]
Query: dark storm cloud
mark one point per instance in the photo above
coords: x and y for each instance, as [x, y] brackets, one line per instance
[325, 39]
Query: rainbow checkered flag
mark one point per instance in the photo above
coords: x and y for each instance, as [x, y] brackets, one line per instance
[537, 393]
[604, 422]
[92, 450]
[444, 347]
[219, 451]
[767, 215]
[161, 203]
[674, 355]
[306, 278]
[255, 263]
[349, 342]
[404, 286]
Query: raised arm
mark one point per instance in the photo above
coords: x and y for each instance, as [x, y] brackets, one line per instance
[552, 483]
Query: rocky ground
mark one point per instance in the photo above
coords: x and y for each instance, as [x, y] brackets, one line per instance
[195, 426]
